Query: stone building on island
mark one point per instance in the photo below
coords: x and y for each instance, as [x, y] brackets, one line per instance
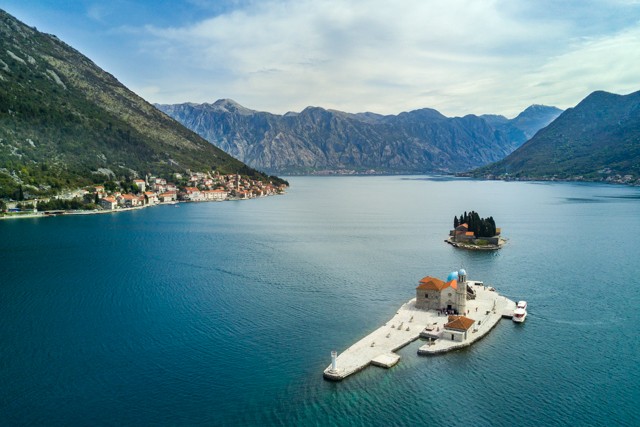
[450, 296]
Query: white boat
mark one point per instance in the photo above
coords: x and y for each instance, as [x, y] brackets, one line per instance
[520, 313]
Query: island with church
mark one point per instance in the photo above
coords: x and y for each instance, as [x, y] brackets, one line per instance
[475, 233]
[447, 315]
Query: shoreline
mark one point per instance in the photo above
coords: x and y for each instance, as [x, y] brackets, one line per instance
[43, 214]
[472, 247]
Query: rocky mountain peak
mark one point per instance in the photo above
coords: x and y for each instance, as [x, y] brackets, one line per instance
[231, 106]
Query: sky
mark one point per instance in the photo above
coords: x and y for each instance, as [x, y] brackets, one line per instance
[384, 56]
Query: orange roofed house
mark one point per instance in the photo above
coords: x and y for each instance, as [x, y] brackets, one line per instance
[450, 296]
[457, 327]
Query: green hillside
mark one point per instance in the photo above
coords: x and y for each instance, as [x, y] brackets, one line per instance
[598, 140]
[65, 123]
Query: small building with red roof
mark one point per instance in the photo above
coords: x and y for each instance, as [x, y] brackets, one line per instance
[457, 327]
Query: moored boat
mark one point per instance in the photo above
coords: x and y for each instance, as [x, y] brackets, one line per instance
[520, 313]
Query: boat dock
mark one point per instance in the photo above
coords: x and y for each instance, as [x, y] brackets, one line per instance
[410, 323]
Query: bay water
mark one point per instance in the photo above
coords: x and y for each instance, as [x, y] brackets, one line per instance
[226, 313]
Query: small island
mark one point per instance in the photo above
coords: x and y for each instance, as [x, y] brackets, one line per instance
[475, 233]
[449, 315]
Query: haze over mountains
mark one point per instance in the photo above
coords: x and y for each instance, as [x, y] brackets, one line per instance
[597, 140]
[64, 122]
[327, 140]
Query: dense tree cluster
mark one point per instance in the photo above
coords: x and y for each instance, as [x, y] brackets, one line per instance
[481, 227]
[59, 204]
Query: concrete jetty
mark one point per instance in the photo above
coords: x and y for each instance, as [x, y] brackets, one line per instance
[410, 323]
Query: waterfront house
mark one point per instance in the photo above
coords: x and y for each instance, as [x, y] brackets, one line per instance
[215, 195]
[129, 200]
[193, 194]
[151, 197]
[108, 203]
[169, 196]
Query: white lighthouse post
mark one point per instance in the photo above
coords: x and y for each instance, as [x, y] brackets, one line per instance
[334, 355]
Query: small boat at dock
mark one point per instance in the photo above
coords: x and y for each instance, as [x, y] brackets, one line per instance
[520, 313]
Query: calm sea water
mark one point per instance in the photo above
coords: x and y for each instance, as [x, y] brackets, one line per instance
[226, 313]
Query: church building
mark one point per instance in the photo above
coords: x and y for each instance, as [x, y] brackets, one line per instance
[450, 296]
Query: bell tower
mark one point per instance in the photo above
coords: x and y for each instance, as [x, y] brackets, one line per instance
[461, 292]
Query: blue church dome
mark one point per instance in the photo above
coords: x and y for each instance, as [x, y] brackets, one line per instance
[462, 272]
[452, 276]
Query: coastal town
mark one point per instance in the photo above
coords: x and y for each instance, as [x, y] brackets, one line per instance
[151, 191]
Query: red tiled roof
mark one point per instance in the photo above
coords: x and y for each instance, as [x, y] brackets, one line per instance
[460, 323]
[432, 284]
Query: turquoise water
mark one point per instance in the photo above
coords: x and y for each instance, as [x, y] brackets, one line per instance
[226, 313]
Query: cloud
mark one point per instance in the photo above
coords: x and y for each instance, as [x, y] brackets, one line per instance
[459, 56]
[591, 64]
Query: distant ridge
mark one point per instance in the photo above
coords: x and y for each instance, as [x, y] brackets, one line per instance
[597, 140]
[319, 140]
[64, 122]
[525, 124]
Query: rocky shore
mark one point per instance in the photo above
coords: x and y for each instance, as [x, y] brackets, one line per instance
[474, 247]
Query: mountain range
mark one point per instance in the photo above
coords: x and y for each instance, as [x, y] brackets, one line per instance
[319, 140]
[66, 123]
[597, 140]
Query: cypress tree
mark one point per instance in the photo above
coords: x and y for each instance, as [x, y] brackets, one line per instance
[455, 221]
